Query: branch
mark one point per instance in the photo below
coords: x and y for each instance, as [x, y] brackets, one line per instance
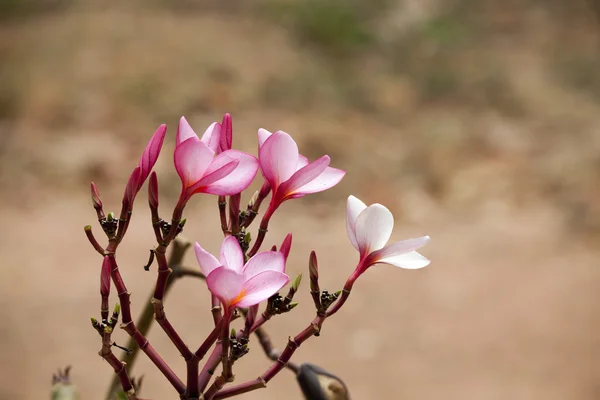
[276, 367]
[129, 326]
[145, 320]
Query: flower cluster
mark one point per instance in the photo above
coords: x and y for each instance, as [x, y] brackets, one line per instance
[240, 277]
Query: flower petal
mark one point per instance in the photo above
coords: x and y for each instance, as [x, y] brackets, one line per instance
[184, 131]
[353, 207]
[302, 162]
[261, 287]
[231, 254]
[151, 153]
[265, 261]
[212, 136]
[218, 169]
[373, 228]
[328, 179]
[263, 135]
[411, 260]
[207, 261]
[226, 284]
[401, 247]
[192, 159]
[303, 176]
[239, 179]
[278, 158]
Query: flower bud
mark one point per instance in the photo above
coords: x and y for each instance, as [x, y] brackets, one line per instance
[318, 384]
[253, 199]
[131, 189]
[226, 138]
[153, 191]
[313, 270]
[296, 282]
[95, 197]
[286, 246]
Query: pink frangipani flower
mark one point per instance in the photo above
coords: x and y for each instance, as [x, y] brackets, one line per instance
[242, 285]
[203, 171]
[369, 229]
[290, 175]
[144, 167]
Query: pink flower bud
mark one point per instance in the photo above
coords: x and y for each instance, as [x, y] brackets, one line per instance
[105, 277]
[313, 271]
[226, 133]
[132, 188]
[96, 197]
[153, 190]
[286, 246]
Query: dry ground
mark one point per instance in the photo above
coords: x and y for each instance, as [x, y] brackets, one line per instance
[497, 162]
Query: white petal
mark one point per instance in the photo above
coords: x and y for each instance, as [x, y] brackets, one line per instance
[373, 228]
[411, 260]
[353, 207]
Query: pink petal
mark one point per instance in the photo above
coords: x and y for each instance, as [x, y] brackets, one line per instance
[226, 284]
[399, 248]
[328, 179]
[303, 176]
[231, 254]
[239, 179]
[265, 261]
[226, 133]
[278, 158]
[224, 166]
[192, 159]
[302, 162]
[151, 153]
[263, 135]
[373, 228]
[184, 131]
[261, 287]
[212, 136]
[411, 260]
[353, 207]
[286, 246]
[207, 261]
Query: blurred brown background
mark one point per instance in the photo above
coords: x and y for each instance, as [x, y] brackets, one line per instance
[474, 121]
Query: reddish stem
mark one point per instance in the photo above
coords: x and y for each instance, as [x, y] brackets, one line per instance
[223, 215]
[275, 368]
[129, 326]
[262, 230]
[118, 366]
[92, 240]
[209, 368]
[252, 210]
[215, 309]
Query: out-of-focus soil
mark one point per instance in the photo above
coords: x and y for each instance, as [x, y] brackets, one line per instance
[506, 186]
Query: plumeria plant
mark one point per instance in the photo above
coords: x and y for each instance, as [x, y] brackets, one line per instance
[241, 276]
